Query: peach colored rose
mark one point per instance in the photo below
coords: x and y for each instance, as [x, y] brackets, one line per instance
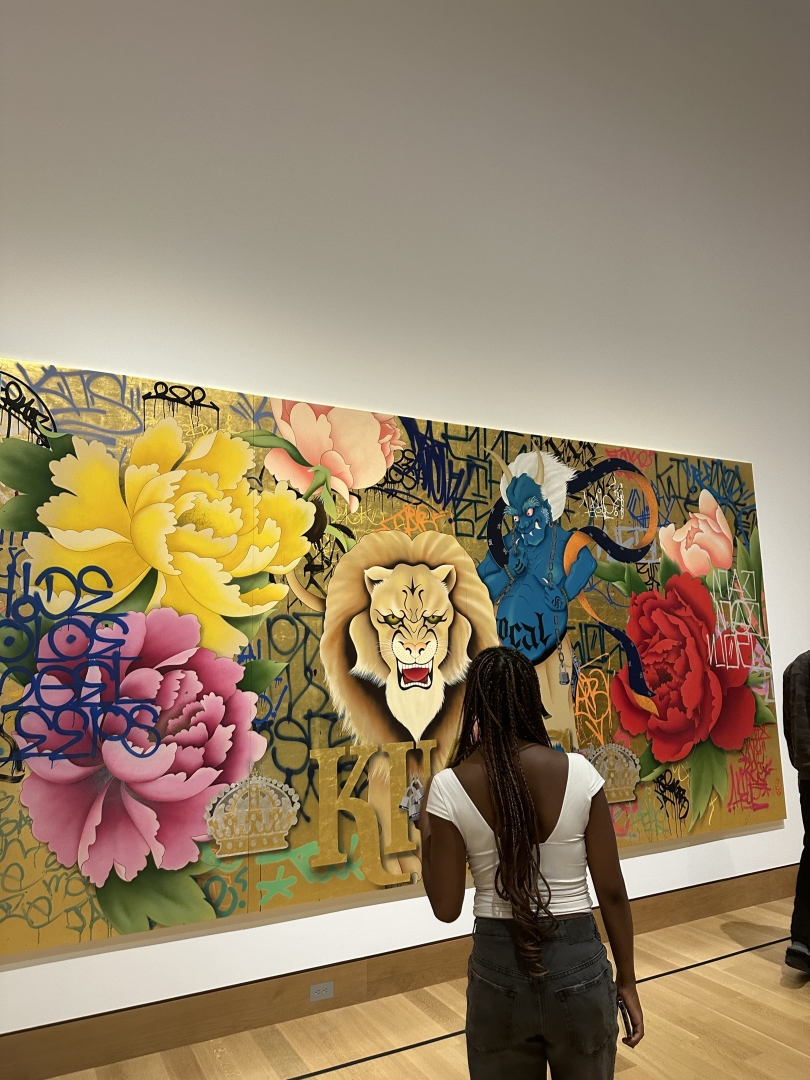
[357, 447]
[705, 541]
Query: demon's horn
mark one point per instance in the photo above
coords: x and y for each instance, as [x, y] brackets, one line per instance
[541, 470]
[507, 472]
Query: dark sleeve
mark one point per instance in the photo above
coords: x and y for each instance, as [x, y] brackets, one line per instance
[796, 712]
[788, 724]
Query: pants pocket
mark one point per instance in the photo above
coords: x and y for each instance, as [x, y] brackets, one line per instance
[490, 1009]
[590, 1010]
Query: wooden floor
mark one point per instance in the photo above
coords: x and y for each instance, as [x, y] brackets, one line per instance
[746, 1017]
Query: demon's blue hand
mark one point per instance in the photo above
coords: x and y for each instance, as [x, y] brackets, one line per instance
[515, 563]
[555, 597]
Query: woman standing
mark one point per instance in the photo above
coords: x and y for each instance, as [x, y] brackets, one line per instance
[529, 819]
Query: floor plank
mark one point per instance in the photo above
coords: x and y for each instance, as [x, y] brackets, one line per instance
[743, 1016]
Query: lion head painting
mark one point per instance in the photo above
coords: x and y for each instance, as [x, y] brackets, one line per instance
[404, 617]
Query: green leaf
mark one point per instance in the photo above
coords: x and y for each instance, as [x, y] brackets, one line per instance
[667, 568]
[609, 571]
[719, 765]
[743, 558]
[205, 864]
[209, 861]
[714, 582]
[750, 559]
[763, 715]
[708, 771]
[250, 625]
[756, 563]
[139, 598]
[756, 678]
[325, 495]
[700, 791]
[321, 483]
[259, 674]
[266, 440]
[164, 897]
[651, 768]
[346, 542]
[253, 581]
[24, 466]
[19, 514]
[634, 580]
[61, 445]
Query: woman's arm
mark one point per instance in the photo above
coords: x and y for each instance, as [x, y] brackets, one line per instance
[606, 871]
[444, 863]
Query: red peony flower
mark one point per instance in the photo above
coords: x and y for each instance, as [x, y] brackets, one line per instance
[698, 683]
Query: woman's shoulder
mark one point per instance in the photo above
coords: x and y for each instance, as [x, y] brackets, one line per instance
[443, 777]
[451, 778]
[474, 761]
[584, 774]
[441, 796]
[546, 757]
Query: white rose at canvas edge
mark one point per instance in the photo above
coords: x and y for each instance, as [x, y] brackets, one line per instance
[356, 447]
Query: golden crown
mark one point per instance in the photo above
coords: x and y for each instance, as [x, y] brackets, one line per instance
[620, 770]
[254, 815]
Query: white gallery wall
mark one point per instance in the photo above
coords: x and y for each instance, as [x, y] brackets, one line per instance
[576, 218]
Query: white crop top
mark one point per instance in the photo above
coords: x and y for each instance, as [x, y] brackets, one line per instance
[562, 856]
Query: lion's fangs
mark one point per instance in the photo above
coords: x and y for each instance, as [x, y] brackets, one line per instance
[408, 684]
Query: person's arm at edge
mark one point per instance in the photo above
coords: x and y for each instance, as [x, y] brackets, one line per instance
[606, 872]
[788, 710]
[444, 863]
[801, 737]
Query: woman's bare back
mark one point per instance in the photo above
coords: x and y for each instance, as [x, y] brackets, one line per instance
[546, 773]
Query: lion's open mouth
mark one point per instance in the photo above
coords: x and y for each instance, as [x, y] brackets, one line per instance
[414, 675]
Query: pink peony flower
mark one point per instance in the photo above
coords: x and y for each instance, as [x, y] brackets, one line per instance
[357, 447]
[705, 541]
[129, 730]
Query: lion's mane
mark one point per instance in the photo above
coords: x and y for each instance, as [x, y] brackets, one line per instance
[361, 701]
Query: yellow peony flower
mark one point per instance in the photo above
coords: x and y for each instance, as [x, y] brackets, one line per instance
[190, 515]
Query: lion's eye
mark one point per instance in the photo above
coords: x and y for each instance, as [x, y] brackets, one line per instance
[392, 620]
[530, 512]
[432, 620]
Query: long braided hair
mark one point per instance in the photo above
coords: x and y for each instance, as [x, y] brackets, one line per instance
[502, 704]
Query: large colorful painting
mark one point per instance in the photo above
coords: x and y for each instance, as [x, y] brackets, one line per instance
[235, 632]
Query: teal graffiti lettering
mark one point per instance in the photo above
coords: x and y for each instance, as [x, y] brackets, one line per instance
[300, 859]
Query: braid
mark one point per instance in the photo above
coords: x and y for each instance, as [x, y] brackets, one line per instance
[502, 704]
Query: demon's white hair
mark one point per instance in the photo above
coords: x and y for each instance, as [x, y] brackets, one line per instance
[554, 484]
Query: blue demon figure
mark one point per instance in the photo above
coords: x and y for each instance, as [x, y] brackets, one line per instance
[532, 590]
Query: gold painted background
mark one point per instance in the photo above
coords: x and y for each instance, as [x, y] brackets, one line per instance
[442, 480]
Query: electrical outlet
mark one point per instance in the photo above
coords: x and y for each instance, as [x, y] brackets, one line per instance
[321, 991]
